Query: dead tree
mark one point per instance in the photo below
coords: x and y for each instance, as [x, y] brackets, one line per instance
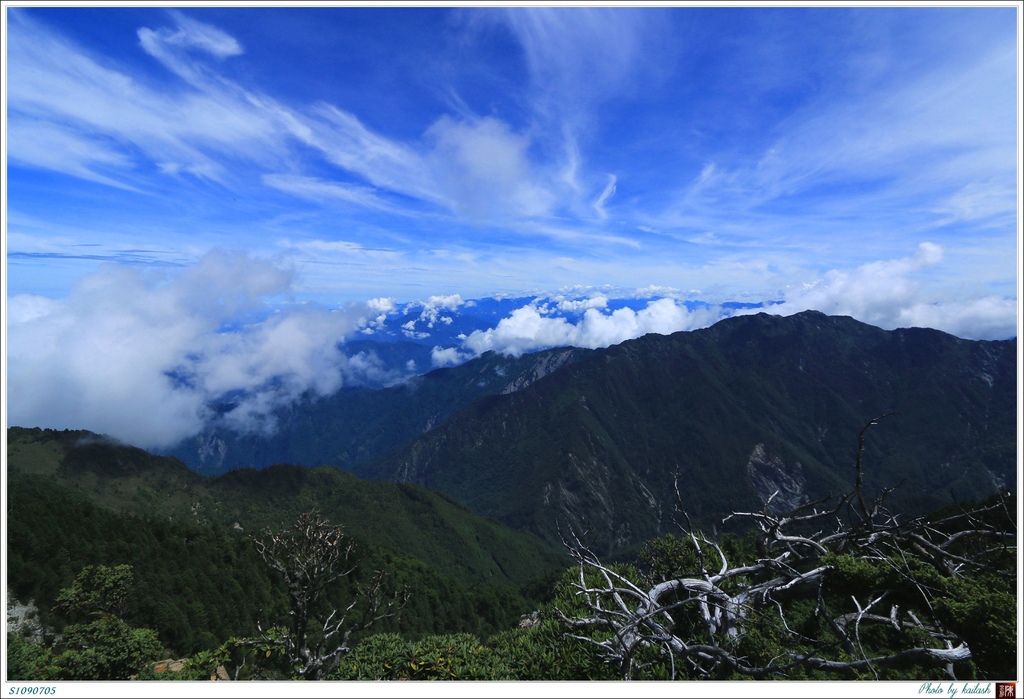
[698, 623]
[310, 556]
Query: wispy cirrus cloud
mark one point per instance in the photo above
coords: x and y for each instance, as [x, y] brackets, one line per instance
[732, 151]
[478, 169]
[346, 142]
[58, 148]
[344, 248]
[606, 195]
[125, 130]
[579, 57]
[187, 36]
[118, 128]
[325, 191]
[905, 155]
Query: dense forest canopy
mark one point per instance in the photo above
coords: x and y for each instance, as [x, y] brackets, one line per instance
[842, 589]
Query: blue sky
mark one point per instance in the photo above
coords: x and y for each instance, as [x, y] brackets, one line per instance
[201, 163]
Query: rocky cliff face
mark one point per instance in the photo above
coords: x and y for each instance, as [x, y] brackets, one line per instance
[781, 485]
[541, 365]
[23, 619]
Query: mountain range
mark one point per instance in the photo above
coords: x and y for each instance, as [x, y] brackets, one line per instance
[596, 440]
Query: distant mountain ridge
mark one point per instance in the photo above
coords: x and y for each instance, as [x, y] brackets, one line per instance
[752, 405]
[362, 424]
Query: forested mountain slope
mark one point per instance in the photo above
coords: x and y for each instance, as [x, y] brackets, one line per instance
[76, 499]
[427, 526]
[361, 424]
[752, 405]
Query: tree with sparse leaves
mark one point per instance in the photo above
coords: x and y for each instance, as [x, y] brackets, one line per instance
[842, 587]
[310, 556]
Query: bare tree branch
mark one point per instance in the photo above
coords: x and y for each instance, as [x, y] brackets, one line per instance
[698, 622]
[310, 556]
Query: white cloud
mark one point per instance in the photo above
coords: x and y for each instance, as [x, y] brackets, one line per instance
[441, 302]
[581, 55]
[528, 329]
[322, 191]
[140, 356]
[479, 169]
[385, 163]
[565, 305]
[192, 34]
[979, 200]
[53, 147]
[118, 128]
[432, 311]
[871, 159]
[608, 193]
[24, 308]
[883, 293]
[325, 250]
[113, 127]
[652, 290]
[378, 310]
[484, 170]
[448, 356]
[382, 304]
[886, 294]
[173, 47]
[126, 128]
[935, 144]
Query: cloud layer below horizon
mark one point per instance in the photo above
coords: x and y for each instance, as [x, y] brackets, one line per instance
[152, 358]
[852, 160]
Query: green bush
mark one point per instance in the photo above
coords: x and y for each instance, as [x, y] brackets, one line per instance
[27, 660]
[105, 649]
[444, 657]
[100, 647]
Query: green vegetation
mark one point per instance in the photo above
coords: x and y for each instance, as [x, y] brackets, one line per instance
[601, 442]
[101, 646]
[426, 526]
[841, 590]
[198, 580]
[812, 611]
